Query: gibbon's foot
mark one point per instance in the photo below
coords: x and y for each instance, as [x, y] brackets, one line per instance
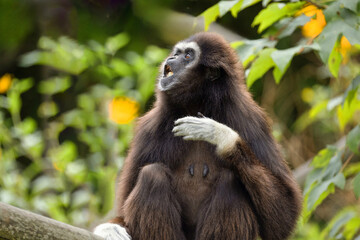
[207, 129]
[112, 231]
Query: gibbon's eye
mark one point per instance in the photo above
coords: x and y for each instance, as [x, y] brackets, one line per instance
[188, 54]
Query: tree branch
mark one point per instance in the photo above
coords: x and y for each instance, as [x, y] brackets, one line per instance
[16, 223]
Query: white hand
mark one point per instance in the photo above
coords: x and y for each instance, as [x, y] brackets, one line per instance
[206, 129]
[112, 231]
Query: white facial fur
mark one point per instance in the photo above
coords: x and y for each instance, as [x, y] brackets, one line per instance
[182, 46]
[209, 130]
[112, 231]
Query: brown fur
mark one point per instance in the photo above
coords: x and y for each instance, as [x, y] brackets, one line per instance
[246, 193]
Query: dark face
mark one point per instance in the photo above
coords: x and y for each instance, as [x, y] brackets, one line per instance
[176, 67]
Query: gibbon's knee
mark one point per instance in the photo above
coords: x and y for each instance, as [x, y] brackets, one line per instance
[154, 173]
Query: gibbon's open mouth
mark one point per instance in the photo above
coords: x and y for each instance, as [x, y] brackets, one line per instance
[167, 71]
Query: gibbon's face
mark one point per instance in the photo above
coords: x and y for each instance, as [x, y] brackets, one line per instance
[181, 61]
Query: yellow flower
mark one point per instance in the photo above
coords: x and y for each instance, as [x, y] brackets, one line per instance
[123, 110]
[345, 47]
[307, 95]
[5, 82]
[316, 24]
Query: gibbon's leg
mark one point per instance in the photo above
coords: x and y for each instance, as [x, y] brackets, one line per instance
[151, 211]
[227, 214]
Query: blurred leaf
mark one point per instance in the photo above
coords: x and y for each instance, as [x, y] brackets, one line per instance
[338, 222]
[350, 4]
[287, 28]
[352, 227]
[278, 74]
[327, 39]
[63, 155]
[260, 66]
[236, 8]
[357, 185]
[120, 67]
[65, 55]
[248, 3]
[335, 59]
[351, 90]
[282, 58]
[46, 183]
[107, 179]
[33, 143]
[328, 172]
[317, 109]
[54, 85]
[27, 126]
[86, 102]
[113, 44]
[225, 6]
[346, 112]
[247, 50]
[76, 171]
[48, 109]
[330, 34]
[274, 12]
[210, 15]
[155, 55]
[14, 101]
[353, 139]
[323, 157]
[351, 169]
[265, 2]
[334, 102]
[23, 85]
[323, 189]
[93, 142]
[319, 193]
[80, 198]
[75, 118]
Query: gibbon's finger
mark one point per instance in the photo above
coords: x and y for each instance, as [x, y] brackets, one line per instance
[179, 132]
[200, 115]
[190, 138]
[192, 122]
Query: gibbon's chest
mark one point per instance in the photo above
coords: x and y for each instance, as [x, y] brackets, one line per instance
[195, 179]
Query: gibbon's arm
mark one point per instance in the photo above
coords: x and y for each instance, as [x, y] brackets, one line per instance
[276, 199]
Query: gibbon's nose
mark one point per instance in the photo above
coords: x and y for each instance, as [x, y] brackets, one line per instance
[171, 58]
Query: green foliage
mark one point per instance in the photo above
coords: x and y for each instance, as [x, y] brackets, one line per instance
[274, 12]
[65, 55]
[71, 177]
[222, 7]
[260, 66]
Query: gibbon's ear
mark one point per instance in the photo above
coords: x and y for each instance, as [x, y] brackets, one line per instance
[212, 74]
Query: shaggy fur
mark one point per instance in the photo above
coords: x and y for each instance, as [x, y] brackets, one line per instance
[170, 188]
